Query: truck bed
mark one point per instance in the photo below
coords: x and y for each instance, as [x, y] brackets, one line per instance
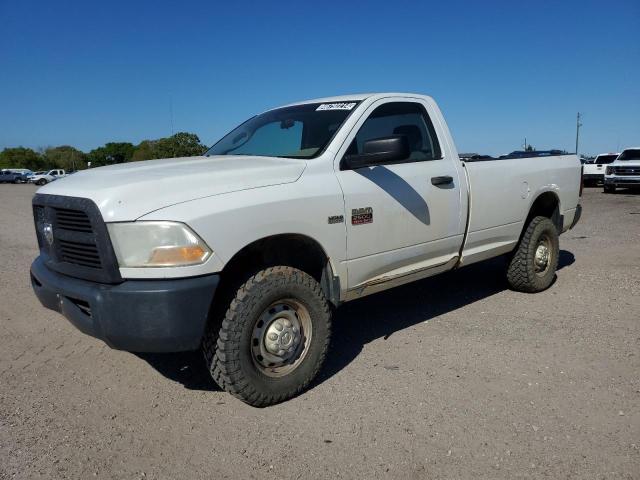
[496, 220]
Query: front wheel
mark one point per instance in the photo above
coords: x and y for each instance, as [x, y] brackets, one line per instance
[534, 262]
[41, 182]
[273, 339]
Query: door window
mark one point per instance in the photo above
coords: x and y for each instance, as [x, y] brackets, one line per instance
[400, 118]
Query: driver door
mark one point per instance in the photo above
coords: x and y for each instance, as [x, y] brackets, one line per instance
[398, 221]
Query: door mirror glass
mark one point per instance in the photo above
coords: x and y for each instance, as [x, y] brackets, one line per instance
[380, 150]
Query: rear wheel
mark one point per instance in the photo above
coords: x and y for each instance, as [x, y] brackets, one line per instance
[273, 338]
[609, 189]
[533, 265]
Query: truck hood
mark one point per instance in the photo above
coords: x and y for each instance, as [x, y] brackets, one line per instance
[128, 191]
[625, 163]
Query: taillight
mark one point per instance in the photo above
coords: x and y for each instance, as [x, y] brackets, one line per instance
[581, 180]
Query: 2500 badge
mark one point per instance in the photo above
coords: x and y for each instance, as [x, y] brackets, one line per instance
[360, 216]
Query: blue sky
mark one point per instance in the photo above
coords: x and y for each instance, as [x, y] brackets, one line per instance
[84, 72]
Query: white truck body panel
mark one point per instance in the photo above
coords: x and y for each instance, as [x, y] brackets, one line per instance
[502, 192]
[418, 228]
[127, 191]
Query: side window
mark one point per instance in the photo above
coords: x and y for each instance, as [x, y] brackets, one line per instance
[400, 118]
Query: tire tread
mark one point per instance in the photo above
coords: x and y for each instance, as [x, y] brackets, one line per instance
[222, 348]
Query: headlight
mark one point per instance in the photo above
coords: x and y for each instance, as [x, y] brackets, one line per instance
[608, 171]
[157, 244]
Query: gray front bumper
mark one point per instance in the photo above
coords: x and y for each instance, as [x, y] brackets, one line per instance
[135, 315]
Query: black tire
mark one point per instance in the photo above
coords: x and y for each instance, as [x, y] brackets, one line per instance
[524, 274]
[609, 189]
[41, 182]
[229, 348]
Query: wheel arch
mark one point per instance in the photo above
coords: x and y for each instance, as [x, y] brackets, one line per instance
[546, 204]
[291, 249]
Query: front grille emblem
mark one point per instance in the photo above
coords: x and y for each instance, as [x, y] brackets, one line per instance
[47, 230]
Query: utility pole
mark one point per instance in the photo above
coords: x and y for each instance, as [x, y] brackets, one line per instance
[578, 125]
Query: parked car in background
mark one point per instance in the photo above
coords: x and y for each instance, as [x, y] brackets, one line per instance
[47, 177]
[33, 174]
[14, 175]
[534, 153]
[594, 171]
[624, 171]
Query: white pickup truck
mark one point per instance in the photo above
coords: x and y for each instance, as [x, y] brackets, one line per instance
[47, 177]
[624, 171]
[593, 173]
[246, 250]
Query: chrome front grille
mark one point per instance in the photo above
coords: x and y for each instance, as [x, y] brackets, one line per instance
[635, 171]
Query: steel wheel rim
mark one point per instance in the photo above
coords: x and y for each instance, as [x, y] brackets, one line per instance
[281, 337]
[542, 256]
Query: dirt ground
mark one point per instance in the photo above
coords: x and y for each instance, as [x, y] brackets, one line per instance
[451, 377]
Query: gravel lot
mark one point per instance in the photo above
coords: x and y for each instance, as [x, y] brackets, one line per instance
[451, 377]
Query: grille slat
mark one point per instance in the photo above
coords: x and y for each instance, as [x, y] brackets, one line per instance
[82, 255]
[84, 252]
[74, 220]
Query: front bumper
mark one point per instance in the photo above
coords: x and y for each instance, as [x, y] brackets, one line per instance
[621, 180]
[590, 177]
[136, 315]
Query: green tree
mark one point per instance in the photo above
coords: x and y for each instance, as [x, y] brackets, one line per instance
[111, 153]
[146, 150]
[66, 157]
[21, 157]
[181, 144]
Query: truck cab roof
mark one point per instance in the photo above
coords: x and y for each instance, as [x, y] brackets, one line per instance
[357, 97]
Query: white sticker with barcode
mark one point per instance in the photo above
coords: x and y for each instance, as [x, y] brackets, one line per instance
[336, 106]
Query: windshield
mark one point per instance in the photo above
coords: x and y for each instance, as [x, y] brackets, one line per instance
[631, 154]
[300, 131]
[605, 159]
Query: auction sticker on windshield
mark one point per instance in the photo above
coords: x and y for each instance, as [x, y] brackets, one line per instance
[336, 106]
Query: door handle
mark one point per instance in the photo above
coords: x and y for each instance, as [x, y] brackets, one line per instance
[445, 180]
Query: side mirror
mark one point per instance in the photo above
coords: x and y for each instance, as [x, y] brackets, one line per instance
[379, 150]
